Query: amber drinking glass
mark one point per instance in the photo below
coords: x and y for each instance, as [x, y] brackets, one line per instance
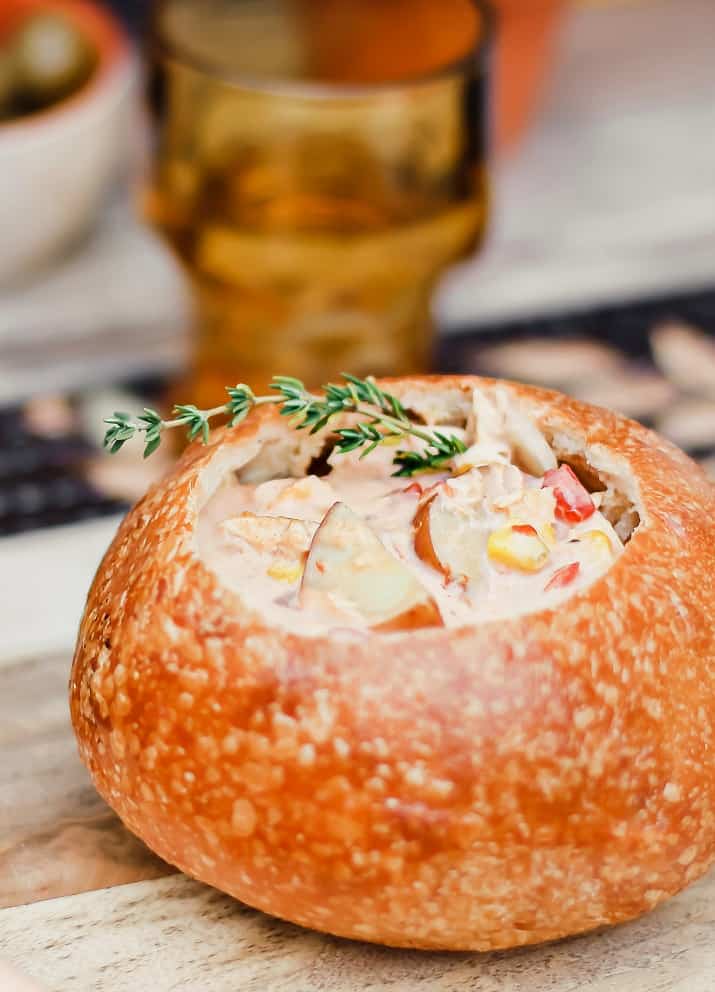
[318, 165]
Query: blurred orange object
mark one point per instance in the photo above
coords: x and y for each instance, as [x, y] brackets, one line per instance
[526, 33]
[363, 41]
[382, 41]
[96, 25]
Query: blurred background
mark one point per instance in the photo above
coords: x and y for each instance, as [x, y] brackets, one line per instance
[198, 193]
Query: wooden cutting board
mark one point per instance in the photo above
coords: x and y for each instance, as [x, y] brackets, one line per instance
[88, 908]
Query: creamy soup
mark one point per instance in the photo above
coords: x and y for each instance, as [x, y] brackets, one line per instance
[359, 548]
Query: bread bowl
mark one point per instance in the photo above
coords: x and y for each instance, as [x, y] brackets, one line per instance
[515, 765]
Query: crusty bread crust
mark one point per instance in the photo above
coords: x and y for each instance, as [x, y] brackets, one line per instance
[478, 788]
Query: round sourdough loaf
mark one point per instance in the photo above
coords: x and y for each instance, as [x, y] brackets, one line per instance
[460, 788]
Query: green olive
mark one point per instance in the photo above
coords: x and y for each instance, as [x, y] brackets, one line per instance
[52, 59]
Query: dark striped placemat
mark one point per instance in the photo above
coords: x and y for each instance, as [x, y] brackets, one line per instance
[51, 465]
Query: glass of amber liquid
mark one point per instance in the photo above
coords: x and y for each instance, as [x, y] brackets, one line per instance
[318, 165]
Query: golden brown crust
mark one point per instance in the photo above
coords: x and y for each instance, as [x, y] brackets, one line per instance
[477, 788]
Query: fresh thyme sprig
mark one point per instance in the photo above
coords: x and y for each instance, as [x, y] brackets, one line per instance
[386, 420]
[440, 450]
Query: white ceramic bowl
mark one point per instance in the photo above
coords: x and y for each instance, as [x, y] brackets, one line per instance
[56, 165]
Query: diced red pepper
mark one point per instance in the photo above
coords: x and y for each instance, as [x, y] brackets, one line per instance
[573, 501]
[563, 576]
[525, 529]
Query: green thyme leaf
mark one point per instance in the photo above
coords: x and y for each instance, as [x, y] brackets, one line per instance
[385, 417]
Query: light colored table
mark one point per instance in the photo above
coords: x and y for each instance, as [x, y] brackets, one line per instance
[613, 194]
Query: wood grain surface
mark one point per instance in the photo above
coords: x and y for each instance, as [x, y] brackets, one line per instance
[173, 934]
[56, 835]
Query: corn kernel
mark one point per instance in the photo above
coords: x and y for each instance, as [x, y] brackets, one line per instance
[519, 547]
[599, 542]
[284, 571]
[547, 533]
